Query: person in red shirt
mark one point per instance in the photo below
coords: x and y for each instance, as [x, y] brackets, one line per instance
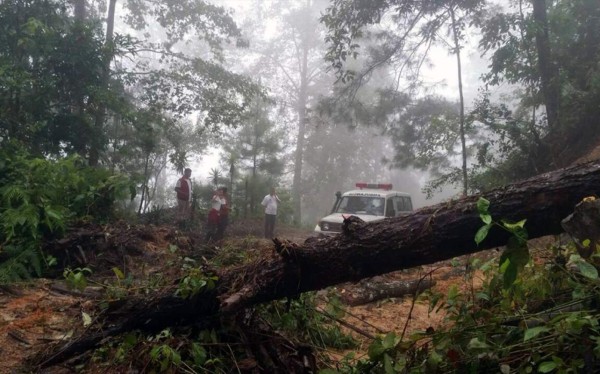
[184, 195]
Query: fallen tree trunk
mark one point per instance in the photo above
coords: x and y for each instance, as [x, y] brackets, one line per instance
[372, 289]
[364, 250]
[428, 235]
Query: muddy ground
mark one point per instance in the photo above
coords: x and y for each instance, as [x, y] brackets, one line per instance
[129, 259]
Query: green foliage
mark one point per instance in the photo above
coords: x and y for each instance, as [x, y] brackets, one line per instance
[194, 282]
[39, 198]
[516, 254]
[521, 142]
[536, 322]
[77, 278]
[18, 263]
[536, 326]
[165, 356]
[229, 255]
[300, 318]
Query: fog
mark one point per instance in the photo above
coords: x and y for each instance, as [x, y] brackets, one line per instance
[338, 150]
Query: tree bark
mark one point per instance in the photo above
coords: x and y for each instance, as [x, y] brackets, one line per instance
[426, 236]
[97, 143]
[368, 291]
[463, 141]
[299, 154]
[548, 70]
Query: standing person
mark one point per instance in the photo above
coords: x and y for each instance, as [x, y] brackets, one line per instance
[223, 215]
[270, 203]
[212, 223]
[184, 195]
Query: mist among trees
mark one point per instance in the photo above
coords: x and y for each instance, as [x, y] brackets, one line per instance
[309, 96]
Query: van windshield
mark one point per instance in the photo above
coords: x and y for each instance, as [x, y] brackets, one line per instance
[361, 205]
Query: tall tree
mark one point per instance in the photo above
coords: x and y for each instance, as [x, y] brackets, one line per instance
[550, 47]
[256, 148]
[549, 76]
[291, 64]
[416, 26]
[50, 70]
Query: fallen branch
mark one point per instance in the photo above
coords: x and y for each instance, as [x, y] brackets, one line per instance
[373, 289]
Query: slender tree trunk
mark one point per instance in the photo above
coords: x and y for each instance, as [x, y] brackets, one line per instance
[161, 162]
[548, 70]
[79, 10]
[299, 156]
[463, 141]
[231, 172]
[100, 117]
[144, 184]
[246, 197]
[253, 192]
[534, 149]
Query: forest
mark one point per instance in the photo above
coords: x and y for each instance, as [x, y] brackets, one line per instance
[484, 111]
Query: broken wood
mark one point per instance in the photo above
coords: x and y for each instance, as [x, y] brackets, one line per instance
[374, 289]
[584, 224]
[426, 236]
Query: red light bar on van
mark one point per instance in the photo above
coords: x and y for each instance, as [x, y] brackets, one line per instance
[377, 186]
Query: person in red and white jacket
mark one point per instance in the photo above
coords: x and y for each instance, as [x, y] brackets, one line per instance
[212, 223]
[184, 195]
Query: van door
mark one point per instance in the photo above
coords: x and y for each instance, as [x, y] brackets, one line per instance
[390, 210]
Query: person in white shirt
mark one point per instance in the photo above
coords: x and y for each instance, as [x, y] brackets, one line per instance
[270, 203]
[184, 195]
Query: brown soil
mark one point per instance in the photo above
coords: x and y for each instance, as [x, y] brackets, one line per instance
[45, 311]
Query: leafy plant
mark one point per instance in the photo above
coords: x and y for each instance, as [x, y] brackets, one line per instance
[19, 263]
[165, 356]
[195, 282]
[545, 320]
[77, 278]
[301, 317]
[516, 254]
[39, 198]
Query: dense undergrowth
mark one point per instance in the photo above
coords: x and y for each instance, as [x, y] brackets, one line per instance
[545, 321]
[39, 198]
[535, 315]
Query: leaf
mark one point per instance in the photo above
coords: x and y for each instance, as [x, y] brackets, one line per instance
[475, 343]
[482, 233]
[118, 273]
[87, 320]
[546, 367]
[587, 270]
[389, 341]
[375, 350]
[513, 226]
[486, 218]
[533, 332]
[482, 206]
[513, 259]
[387, 364]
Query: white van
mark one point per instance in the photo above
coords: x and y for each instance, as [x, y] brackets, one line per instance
[370, 202]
